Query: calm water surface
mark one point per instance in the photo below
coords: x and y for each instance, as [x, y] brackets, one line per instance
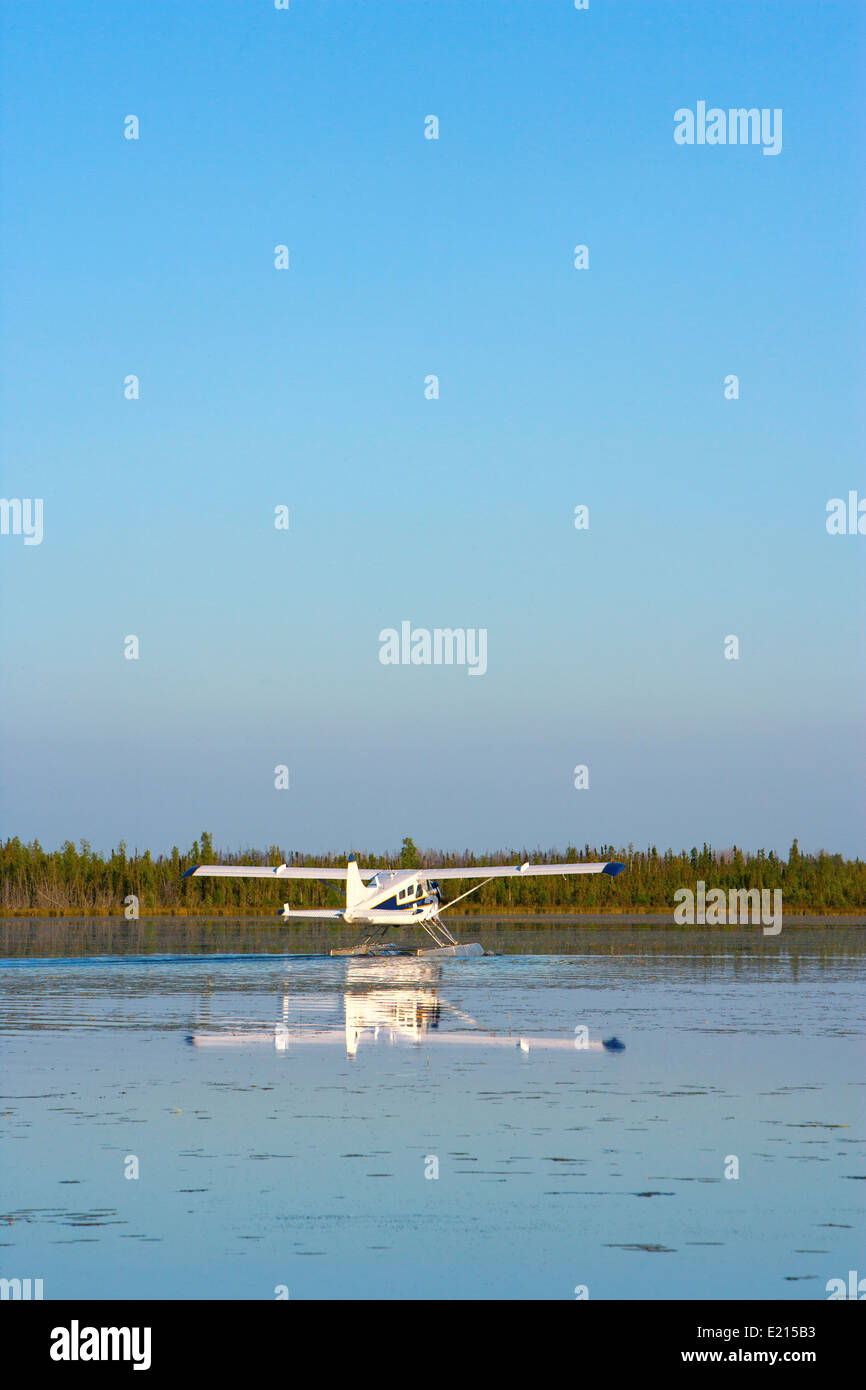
[288, 1115]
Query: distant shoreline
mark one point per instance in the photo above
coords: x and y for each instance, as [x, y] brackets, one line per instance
[71, 883]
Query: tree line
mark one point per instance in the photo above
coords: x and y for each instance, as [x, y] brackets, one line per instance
[82, 882]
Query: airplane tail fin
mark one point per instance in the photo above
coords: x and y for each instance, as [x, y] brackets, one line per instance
[355, 889]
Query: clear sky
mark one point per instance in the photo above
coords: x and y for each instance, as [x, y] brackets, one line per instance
[305, 387]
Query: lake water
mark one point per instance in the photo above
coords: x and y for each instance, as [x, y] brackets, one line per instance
[403, 1128]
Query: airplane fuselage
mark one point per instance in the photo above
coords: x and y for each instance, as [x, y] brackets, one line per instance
[393, 896]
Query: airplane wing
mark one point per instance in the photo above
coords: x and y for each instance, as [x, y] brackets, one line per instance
[492, 871]
[525, 870]
[281, 871]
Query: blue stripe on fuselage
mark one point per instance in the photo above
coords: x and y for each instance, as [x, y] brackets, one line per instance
[391, 904]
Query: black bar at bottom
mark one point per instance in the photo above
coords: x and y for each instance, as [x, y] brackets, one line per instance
[223, 1339]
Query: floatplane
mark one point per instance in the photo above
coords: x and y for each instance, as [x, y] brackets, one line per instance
[384, 898]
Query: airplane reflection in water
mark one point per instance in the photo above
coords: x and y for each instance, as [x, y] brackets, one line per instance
[397, 1002]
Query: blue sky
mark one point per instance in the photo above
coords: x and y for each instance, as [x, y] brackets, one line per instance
[305, 387]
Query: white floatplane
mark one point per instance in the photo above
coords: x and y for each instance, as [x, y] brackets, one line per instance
[384, 898]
